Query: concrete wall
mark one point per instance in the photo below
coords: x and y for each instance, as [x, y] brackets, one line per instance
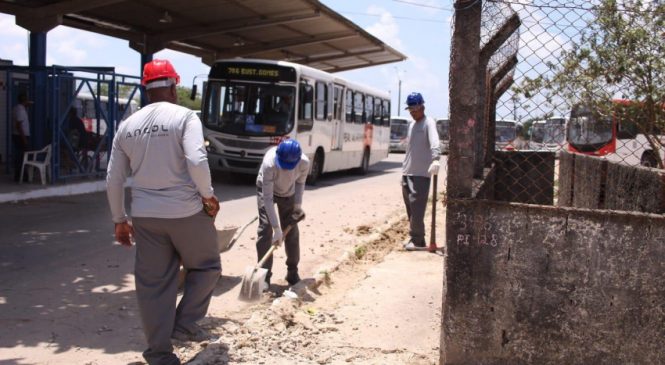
[594, 183]
[529, 284]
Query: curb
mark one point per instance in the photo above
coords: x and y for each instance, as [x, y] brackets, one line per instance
[53, 191]
[322, 275]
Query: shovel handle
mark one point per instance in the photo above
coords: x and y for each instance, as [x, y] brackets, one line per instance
[432, 236]
[274, 246]
[237, 235]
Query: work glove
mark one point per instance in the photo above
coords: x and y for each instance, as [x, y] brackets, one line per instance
[433, 168]
[277, 235]
[297, 211]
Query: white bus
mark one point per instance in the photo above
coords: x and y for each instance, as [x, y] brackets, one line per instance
[505, 133]
[94, 118]
[250, 105]
[548, 134]
[443, 127]
[399, 129]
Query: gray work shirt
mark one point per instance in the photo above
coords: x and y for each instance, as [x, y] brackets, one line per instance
[280, 182]
[423, 147]
[161, 146]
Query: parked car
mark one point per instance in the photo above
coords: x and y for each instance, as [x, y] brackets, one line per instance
[399, 127]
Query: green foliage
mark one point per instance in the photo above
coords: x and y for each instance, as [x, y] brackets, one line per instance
[184, 98]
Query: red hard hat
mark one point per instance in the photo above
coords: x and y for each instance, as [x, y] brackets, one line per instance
[159, 69]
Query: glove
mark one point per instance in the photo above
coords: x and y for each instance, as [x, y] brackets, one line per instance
[297, 210]
[277, 235]
[433, 168]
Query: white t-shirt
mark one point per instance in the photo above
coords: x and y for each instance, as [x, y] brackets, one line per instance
[20, 115]
[161, 146]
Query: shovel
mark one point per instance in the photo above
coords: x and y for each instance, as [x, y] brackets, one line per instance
[254, 280]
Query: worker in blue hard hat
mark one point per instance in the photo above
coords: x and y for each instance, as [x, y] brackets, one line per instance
[281, 180]
[421, 161]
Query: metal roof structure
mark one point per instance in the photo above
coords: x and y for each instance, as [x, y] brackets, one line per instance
[301, 31]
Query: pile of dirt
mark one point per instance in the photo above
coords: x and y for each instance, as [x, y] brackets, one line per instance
[295, 329]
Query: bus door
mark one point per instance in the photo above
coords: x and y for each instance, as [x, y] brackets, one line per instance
[337, 117]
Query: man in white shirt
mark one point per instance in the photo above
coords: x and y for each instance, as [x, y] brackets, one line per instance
[173, 209]
[20, 133]
[281, 180]
[421, 160]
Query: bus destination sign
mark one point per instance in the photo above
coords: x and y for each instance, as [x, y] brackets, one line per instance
[253, 71]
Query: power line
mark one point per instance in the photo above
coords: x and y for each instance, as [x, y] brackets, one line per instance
[396, 17]
[422, 5]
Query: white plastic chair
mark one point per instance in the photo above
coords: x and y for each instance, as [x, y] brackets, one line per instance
[37, 160]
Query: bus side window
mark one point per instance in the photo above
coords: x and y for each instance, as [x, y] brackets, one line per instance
[386, 112]
[358, 107]
[349, 106]
[369, 109]
[626, 128]
[378, 116]
[321, 100]
[337, 102]
[306, 108]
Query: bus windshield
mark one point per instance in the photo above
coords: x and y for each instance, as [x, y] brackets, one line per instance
[505, 131]
[549, 131]
[398, 128]
[249, 109]
[588, 133]
[443, 127]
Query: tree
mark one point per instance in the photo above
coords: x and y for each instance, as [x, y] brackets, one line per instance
[184, 98]
[619, 54]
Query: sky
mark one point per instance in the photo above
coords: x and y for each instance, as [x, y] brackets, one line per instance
[420, 29]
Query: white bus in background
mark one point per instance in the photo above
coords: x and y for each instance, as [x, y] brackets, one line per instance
[250, 105]
[443, 128]
[505, 133]
[548, 134]
[94, 119]
[399, 129]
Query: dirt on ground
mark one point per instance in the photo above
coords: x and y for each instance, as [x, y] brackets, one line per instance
[309, 324]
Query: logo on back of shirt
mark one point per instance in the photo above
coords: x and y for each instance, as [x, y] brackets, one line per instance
[161, 131]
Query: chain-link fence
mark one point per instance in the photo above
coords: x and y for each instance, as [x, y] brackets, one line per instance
[567, 76]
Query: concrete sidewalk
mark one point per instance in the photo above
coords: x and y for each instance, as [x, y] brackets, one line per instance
[383, 308]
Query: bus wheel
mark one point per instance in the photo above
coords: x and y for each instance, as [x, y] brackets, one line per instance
[316, 169]
[364, 164]
[649, 159]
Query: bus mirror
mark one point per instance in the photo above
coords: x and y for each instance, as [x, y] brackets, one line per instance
[193, 94]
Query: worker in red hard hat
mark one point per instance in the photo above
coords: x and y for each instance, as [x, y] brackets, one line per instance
[173, 209]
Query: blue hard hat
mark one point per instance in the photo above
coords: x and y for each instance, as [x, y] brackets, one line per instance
[414, 99]
[288, 154]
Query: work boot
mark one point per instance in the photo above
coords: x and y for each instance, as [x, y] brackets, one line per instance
[198, 335]
[292, 277]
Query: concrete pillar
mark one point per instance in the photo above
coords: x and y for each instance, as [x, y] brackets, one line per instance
[40, 133]
[145, 58]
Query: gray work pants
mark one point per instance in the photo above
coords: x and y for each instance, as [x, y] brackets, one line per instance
[415, 190]
[264, 233]
[160, 246]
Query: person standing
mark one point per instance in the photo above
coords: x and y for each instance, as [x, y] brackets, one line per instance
[421, 161]
[20, 133]
[281, 180]
[173, 209]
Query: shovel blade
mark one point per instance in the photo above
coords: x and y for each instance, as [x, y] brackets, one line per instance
[253, 284]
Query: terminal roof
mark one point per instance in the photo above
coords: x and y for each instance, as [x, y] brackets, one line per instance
[301, 31]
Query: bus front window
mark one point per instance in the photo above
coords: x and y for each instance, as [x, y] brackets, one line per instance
[250, 109]
[589, 134]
